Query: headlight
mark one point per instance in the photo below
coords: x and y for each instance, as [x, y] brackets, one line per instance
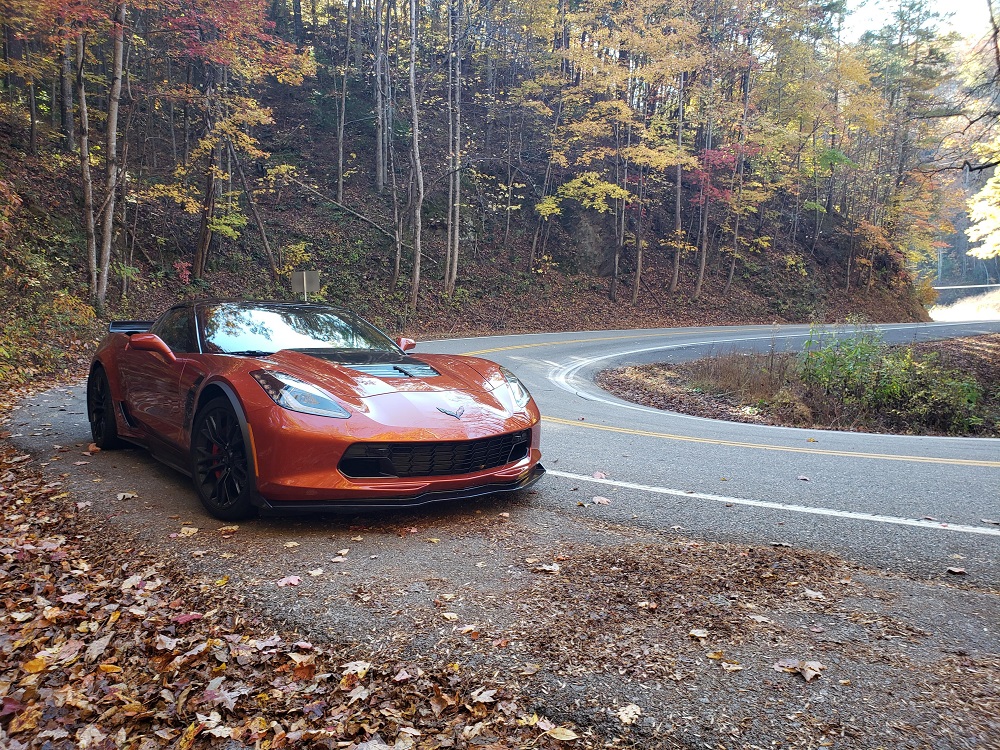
[521, 395]
[297, 395]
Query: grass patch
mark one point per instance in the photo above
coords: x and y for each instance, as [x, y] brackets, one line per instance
[839, 381]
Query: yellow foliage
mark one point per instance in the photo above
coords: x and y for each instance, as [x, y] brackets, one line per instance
[292, 257]
[659, 158]
[984, 211]
[66, 309]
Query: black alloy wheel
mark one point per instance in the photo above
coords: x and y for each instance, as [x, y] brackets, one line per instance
[220, 466]
[101, 411]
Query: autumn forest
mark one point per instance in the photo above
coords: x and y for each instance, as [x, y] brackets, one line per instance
[442, 156]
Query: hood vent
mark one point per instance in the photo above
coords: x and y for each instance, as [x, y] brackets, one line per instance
[411, 369]
[378, 364]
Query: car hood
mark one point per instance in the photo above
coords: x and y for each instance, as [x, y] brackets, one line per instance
[445, 395]
[352, 374]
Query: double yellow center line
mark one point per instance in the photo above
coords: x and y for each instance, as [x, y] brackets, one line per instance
[767, 447]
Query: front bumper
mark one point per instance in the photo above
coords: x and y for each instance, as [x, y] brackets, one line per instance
[523, 482]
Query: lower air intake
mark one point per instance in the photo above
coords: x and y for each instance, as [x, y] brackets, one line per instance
[403, 460]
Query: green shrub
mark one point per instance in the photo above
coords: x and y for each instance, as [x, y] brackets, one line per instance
[860, 370]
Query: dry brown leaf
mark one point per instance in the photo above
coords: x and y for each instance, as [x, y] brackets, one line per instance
[629, 714]
[563, 734]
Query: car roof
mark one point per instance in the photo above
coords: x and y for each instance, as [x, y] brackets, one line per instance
[260, 305]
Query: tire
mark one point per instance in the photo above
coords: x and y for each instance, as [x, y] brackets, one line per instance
[101, 411]
[220, 467]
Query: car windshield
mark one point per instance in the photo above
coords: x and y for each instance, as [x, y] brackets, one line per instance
[234, 328]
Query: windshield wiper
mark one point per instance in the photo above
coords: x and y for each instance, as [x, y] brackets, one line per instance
[251, 353]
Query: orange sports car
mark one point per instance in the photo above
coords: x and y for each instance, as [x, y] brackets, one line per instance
[295, 406]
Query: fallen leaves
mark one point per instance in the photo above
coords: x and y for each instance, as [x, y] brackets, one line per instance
[809, 670]
[562, 733]
[116, 644]
[628, 714]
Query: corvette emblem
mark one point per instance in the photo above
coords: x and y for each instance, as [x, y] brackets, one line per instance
[456, 414]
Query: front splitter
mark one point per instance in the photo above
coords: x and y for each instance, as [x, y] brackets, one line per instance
[416, 501]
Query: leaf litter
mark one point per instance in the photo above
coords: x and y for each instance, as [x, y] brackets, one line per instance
[296, 696]
[94, 656]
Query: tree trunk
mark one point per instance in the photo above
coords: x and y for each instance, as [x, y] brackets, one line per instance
[545, 186]
[66, 97]
[738, 177]
[450, 89]
[380, 123]
[111, 178]
[508, 210]
[187, 114]
[397, 221]
[678, 226]
[706, 197]
[8, 79]
[33, 115]
[452, 271]
[417, 169]
[300, 34]
[343, 110]
[205, 227]
[86, 178]
[253, 209]
[638, 240]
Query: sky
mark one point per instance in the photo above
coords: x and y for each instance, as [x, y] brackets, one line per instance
[970, 18]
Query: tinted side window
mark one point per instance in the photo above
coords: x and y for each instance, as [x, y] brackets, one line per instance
[176, 331]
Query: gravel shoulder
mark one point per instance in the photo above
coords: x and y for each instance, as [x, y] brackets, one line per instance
[502, 623]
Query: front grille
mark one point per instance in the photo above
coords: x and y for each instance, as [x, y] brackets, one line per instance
[363, 460]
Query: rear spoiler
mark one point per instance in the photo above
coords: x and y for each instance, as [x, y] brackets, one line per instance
[130, 326]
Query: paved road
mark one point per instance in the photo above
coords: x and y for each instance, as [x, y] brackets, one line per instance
[913, 504]
[894, 502]
[379, 581]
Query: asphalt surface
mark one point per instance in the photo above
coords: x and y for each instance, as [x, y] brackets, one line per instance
[895, 503]
[898, 503]
[383, 581]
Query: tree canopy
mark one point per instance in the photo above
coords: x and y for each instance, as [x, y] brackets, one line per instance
[705, 132]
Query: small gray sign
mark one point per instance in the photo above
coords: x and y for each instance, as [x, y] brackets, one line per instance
[304, 282]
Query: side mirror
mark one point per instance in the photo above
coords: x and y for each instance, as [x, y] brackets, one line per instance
[405, 344]
[149, 342]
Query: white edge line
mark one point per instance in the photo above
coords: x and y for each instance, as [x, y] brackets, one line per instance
[853, 515]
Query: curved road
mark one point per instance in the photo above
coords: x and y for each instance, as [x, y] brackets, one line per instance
[379, 580]
[914, 504]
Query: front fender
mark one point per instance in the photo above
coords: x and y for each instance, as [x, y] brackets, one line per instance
[207, 393]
